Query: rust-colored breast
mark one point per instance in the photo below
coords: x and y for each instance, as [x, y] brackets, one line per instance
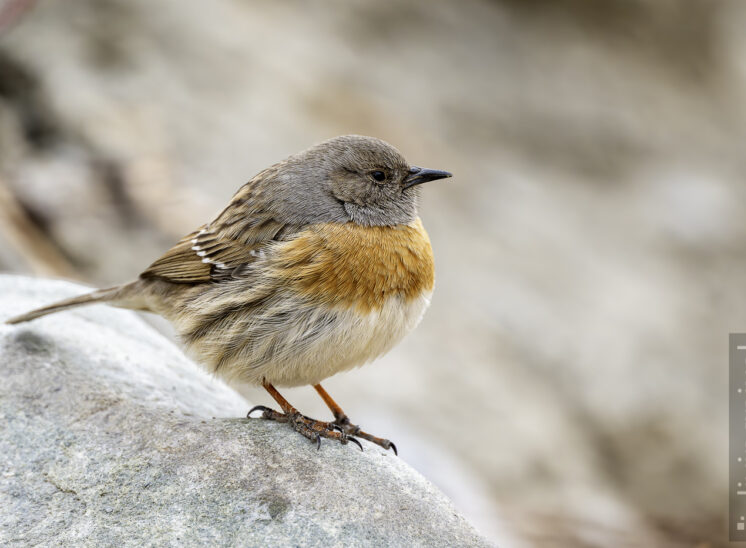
[356, 266]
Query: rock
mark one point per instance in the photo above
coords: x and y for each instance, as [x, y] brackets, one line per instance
[110, 436]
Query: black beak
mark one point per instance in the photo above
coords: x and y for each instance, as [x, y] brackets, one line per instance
[419, 175]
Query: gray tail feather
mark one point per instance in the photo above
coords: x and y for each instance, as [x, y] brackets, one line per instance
[101, 295]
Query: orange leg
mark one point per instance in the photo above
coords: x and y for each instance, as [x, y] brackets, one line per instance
[341, 419]
[312, 429]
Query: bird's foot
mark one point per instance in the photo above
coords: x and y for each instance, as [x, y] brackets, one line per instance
[344, 424]
[312, 429]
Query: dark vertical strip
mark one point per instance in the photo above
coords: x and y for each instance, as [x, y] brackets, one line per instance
[737, 438]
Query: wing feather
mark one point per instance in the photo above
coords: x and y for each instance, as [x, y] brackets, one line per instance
[223, 248]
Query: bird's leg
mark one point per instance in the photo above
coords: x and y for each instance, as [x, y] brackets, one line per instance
[312, 429]
[343, 421]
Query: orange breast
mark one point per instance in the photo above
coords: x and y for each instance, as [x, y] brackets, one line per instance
[355, 266]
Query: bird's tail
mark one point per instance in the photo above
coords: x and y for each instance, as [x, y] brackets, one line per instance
[99, 296]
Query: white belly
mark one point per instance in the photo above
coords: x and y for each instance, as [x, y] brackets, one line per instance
[313, 346]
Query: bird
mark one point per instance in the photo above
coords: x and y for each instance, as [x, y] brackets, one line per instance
[319, 264]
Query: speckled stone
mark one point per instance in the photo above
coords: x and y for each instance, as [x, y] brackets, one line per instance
[110, 436]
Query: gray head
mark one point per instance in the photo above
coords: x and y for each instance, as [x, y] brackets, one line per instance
[349, 178]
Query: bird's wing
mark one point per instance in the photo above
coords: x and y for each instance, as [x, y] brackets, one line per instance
[221, 249]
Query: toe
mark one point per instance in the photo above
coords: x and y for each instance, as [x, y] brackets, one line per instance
[391, 443]
[265, 411]
[356, 442]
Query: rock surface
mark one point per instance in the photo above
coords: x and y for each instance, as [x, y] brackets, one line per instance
[109, 436]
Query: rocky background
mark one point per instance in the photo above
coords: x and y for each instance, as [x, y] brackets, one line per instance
[568, 386]
[109, 436]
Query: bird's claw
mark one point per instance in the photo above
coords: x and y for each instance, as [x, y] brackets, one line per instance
[262, 408]
[310, 428]
[353, 431]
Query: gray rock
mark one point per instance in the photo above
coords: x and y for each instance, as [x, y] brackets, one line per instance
[109, 436]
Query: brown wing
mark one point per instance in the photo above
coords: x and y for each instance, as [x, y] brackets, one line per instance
[179, 263]
[220, 250]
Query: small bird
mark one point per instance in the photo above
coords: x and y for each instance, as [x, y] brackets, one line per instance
[318, 264]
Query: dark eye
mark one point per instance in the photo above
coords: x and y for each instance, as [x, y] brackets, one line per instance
[379, 176]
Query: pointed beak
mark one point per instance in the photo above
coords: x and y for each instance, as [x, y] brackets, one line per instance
[419, 175]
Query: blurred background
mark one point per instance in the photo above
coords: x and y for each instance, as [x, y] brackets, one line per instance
[568, 386]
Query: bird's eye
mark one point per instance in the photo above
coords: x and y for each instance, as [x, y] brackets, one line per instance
[379, 176]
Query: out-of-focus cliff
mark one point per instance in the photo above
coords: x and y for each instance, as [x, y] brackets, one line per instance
[568, 385]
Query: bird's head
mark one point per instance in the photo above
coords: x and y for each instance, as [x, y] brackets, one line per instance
[355, 178]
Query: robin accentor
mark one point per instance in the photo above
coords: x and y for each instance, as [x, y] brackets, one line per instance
[318, 264]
